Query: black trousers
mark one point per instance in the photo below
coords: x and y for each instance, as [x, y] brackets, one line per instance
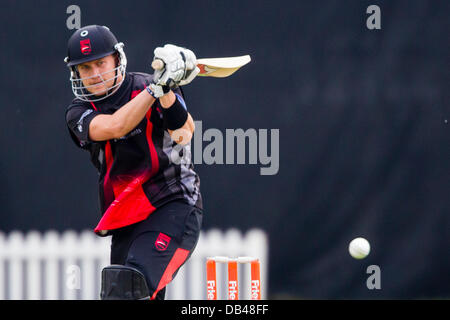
[159, 245]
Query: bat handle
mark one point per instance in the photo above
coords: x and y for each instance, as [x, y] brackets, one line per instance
[157, 64]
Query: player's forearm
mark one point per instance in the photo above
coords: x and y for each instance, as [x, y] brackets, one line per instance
[132, 113]
[167, 100]
[105, 126]
[183, 134]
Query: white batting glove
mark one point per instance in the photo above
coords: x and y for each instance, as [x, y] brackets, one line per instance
[191, 67]
[157, 91]
[180, 65]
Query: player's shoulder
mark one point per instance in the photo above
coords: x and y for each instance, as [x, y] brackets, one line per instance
[78, 103]
[78, 108]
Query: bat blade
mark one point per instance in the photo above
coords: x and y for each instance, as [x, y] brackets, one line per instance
[214, 67]
[221, 67]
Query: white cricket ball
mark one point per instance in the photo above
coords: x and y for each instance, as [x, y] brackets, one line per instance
[359, 248]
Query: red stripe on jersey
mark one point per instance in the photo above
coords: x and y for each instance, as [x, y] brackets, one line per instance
[175, 263]
[135, 93]
[151, 146]
[108, 190]
[93, 105]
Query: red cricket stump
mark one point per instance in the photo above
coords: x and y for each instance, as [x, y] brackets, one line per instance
[233, 282]
[233, 289]
[211, 285]
[256, 280]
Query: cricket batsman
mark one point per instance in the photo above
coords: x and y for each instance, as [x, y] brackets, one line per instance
[131, 123]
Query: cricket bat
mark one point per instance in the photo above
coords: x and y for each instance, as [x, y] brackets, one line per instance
[214, 67]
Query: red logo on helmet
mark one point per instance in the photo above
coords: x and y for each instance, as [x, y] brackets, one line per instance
[162, 242]
[85, 46]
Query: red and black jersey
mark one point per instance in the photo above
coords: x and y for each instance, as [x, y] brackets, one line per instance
[137, 173]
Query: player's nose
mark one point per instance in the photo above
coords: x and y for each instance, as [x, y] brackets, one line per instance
[96, 75]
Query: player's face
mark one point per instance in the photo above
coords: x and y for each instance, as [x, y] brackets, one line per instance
[100, 74]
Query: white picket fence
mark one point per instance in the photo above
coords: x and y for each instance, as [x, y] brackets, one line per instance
[67, 266]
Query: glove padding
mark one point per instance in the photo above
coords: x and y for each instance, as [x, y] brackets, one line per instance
[158, 91]
[180, 66]
[190, 75]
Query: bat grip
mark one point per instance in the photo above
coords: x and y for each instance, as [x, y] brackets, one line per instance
[157, 64]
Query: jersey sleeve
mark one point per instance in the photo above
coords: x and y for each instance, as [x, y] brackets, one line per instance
[78, 118]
